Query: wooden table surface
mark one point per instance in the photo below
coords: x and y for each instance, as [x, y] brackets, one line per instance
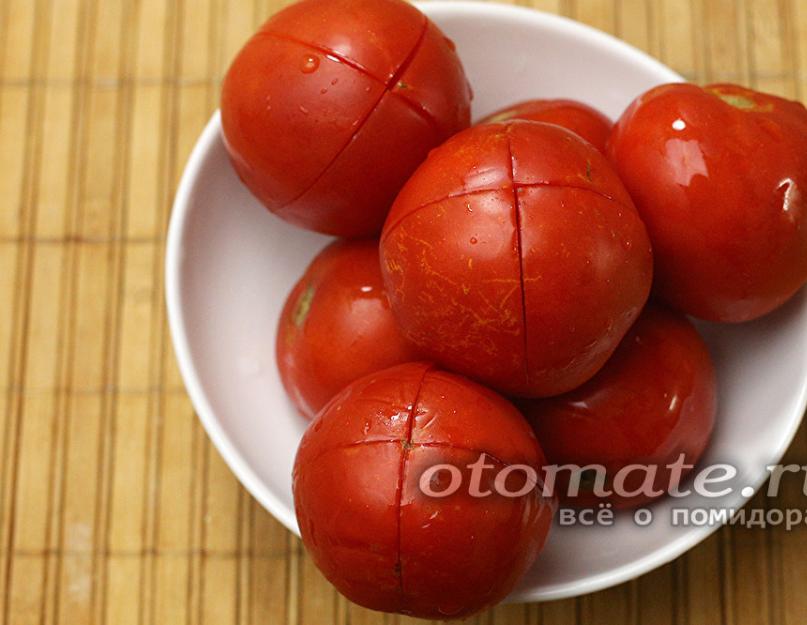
[114, 507]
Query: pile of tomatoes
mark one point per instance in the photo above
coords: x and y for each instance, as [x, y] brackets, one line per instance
[508, 294]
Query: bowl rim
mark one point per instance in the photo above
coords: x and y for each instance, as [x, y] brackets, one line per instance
[236, 462]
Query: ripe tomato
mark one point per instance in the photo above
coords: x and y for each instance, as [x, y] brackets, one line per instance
[313, 102]
[374, 531]
[515, 256]
[654, 400]
[337, 326]
[719, 176]
[581, 119]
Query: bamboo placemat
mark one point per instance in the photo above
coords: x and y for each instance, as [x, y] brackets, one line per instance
[114, 508]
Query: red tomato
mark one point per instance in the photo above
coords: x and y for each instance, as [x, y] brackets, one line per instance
[337, 326]
[515, 256]
[654, 400]
[581, 119]
[366, 520]
[314, 101]
[719, 175]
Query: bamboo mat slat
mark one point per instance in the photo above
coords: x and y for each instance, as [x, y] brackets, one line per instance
[114, 507]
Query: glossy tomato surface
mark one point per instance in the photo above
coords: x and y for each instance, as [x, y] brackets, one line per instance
[313, 102]
[371, 529]
[654, 400]
[719, 176]
[337, 326]
[515, 256]
[582, 119]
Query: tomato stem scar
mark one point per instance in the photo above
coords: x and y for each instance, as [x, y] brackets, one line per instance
[303, 306]
[736, 100]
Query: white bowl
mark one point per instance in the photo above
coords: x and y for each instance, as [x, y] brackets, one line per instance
[230, 265]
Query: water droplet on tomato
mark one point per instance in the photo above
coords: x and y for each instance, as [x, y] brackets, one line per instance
[303, 110]
[449, 609]
[792, 199]
[310, 64]
[323, 91]
[334, 81]
[474, 240]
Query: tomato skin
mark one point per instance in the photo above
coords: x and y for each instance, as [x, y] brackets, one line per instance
[653, 400]
[313, 101]
[582, 119]
[337, 326]
[370, 529]
[515, 256]
[721, 188]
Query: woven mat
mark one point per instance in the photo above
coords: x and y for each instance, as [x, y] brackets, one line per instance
[114, 508]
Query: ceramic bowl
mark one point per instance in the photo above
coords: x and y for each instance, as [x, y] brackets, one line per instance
[230, 265]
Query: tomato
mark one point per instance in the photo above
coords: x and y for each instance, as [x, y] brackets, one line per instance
[373, 530]
[719, 176]
[313, 102]
[337, 326]
[581, 119]
[654, 400]
[515, 256]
